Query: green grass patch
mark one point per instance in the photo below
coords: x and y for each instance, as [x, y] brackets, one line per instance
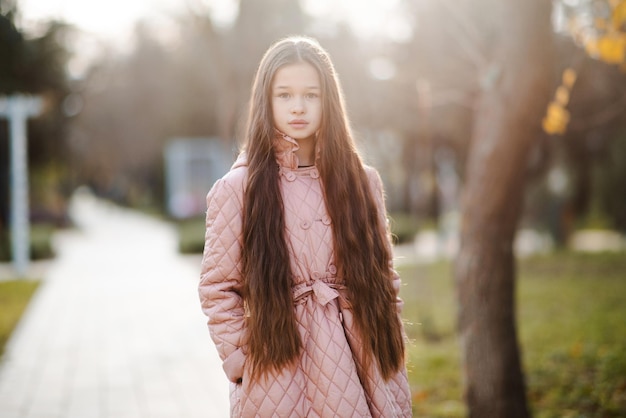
[571, 322]
[403, 226]
[14, 297]
[191, 235]
[434, 357]
[573, 327]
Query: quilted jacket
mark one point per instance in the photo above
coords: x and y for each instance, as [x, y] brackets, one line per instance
[324, 382]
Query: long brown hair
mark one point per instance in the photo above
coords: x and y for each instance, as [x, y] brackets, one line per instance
[361, 248]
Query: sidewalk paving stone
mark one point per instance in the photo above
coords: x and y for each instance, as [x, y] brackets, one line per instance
[115, 329]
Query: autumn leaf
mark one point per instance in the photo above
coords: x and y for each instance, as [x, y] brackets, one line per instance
[569, 78]
[591, 46]
[562, 95]
[612, 48]
[556, 119]
[618, 16]
[558, 113]
[420, 396]
[600, 23]
[552, 128]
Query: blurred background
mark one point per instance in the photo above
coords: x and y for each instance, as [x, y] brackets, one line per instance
[144, 104]
[121, 82]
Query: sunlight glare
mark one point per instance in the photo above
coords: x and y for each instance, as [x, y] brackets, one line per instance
[112, 20]
[368, 18]
[382, 68]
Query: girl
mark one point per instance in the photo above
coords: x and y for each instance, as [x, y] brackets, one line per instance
[297, 277]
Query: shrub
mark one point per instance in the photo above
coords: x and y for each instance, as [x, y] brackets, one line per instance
[40, 242]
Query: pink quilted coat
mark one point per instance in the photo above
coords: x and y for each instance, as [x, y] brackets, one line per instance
[324, 382]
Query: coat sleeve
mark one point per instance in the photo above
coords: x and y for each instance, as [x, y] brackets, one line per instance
[220, 281]
[378, 191]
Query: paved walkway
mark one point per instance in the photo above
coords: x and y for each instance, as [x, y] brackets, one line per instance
[115, 329]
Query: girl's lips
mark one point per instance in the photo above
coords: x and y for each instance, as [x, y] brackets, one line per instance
[298, 123]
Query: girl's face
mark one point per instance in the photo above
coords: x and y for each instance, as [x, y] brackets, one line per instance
[297, 101]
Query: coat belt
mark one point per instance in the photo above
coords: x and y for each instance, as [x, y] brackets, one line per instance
[322, 292]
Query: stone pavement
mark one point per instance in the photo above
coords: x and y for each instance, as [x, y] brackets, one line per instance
[115, 329]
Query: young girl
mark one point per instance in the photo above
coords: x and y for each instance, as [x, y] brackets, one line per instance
[297, 277]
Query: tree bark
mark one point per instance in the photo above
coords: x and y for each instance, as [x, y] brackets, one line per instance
[508, 119]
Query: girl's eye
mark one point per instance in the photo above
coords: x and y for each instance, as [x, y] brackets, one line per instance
[283, 95]
[312, 96]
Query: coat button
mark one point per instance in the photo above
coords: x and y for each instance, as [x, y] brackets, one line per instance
[332, 269]
[314, 173]
[316, 275]
[291, 176]
[305, 224]
[326, 220]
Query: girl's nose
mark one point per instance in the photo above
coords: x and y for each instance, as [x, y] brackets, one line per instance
[298, 106]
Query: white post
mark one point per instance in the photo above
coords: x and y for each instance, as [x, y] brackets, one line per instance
[17, 109]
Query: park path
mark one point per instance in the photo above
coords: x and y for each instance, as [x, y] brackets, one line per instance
[115, 329]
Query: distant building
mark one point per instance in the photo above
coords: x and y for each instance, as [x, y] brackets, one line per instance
[192, 165]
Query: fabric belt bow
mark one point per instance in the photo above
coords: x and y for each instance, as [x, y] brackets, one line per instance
[323, 292]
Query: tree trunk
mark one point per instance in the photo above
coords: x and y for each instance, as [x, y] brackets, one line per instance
[507, 121]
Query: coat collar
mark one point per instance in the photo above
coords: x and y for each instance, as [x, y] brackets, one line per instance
[285, 148]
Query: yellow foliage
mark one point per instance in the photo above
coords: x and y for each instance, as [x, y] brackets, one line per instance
[600, 23]
[618, 16]
[556, 119]
[562, 95]
[569, 77]
[557, 112]
[591, 46]
[604, 39]
[612, 48]
[552, 128]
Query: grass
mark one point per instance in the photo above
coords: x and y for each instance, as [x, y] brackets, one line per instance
[404, 226]
[191, 235]
[14, 297]
[571, 323]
